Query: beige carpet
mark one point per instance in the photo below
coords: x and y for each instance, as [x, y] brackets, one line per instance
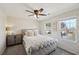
[19, 50]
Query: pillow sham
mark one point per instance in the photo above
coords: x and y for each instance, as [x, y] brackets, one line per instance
[29, 33]
[36, 32]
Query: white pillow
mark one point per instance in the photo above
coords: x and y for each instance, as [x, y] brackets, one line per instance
[29, 33]
[36, 32]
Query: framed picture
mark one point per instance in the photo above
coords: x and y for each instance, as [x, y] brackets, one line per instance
[48, 28]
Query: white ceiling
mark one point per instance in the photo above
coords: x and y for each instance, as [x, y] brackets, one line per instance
[18, 9]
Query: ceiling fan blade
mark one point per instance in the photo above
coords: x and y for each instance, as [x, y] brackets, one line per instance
[43, 14]
[30, 15]
[41, 9]
[29, 11]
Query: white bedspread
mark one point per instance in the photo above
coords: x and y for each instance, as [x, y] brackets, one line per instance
[38, 42]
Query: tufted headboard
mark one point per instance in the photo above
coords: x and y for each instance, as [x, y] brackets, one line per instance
[30, 32]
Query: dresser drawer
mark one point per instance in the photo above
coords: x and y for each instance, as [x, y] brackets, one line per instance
[13, 39]
[10, 40]
[18, 39]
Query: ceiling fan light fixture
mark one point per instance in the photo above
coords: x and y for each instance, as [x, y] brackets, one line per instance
[36, 16]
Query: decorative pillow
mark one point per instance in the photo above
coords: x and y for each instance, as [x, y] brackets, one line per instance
[36, 32]
[32, 32]
[29, 33]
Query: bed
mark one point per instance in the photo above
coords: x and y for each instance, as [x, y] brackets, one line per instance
[39, 44]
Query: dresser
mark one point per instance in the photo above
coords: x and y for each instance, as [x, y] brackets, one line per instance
[14, 39]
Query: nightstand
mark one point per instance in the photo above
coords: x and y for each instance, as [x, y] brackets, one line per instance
[14, 39]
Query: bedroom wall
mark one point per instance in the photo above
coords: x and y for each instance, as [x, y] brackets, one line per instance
[2, 32]
[53, 26]
[64, 43]
[19, 23]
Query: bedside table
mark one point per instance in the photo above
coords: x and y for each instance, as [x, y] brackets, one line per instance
[14, 39]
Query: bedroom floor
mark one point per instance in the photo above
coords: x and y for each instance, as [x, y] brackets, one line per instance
[19, 50]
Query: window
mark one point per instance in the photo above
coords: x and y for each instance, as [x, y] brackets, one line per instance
[68, 28]
[71, 23]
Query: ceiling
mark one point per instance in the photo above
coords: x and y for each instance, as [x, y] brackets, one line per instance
[18, 9]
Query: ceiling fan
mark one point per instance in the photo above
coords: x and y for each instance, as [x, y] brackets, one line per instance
[36, 12]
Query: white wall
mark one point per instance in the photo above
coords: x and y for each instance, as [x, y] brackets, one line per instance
[18, 23]
[2, 32]
[53, 26]
[64, 43]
